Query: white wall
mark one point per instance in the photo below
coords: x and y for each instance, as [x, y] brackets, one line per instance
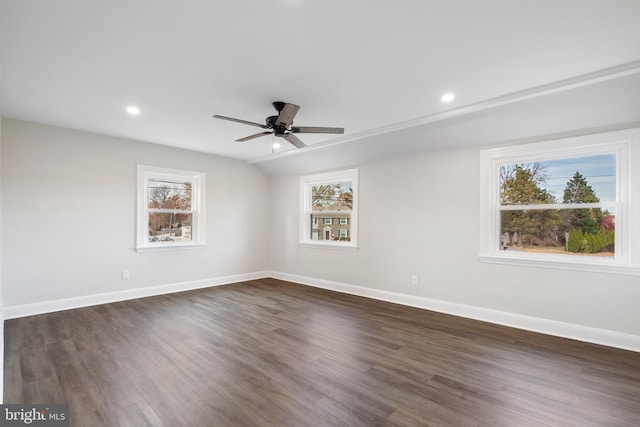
[421, 216]
[68, 229]
[68, 219]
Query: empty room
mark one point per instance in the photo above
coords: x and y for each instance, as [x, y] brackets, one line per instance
[320, 213]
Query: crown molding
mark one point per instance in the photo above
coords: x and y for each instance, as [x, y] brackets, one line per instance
[583, 80]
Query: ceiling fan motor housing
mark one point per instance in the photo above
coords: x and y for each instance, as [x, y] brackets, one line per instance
[279, 130]
[271, 121]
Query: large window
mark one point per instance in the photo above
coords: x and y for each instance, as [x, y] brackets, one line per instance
[170, 209]
[563, 203]
[329, 209]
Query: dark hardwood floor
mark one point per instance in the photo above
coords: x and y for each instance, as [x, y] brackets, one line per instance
[272, 353]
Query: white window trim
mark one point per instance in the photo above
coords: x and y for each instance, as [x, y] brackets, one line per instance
[330, 221]
[306, 182]
[626, 260]
[198, 191]
[346, 222]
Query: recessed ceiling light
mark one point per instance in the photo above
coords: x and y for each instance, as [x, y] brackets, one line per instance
[276, 145]
[448, 97]
[133, 110]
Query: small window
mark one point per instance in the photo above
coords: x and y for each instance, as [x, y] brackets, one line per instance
[558, 203]
[170, 209]
[328, 196]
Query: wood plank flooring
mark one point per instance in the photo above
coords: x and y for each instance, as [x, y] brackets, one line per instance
[272, 353]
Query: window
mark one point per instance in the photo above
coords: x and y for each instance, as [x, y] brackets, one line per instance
[561, 204]
[328, 196]
[170, 209]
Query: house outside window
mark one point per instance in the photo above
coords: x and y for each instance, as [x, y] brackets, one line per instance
[329, 199]
[559, 204]
[170, 209]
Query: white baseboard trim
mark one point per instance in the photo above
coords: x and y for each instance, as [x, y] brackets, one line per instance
[15, 311]
[534, 324]
[545, 326]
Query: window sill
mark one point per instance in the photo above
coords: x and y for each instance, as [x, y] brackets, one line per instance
[170, 247]
[332, 246]
[587, 266]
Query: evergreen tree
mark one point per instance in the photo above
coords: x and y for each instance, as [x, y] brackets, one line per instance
[579, 191]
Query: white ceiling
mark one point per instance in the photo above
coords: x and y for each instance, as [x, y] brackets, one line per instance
[520, 69]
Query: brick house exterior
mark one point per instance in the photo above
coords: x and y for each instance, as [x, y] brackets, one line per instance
[332, 223]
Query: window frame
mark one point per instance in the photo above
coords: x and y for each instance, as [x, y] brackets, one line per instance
[198, 191]
[306, 184]
[625, 260]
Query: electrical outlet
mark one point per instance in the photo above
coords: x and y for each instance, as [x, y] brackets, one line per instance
[124, 274]
[415, 280]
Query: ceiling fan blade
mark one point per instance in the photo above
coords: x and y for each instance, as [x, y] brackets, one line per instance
[231, 119]
[294, 140]
[257, 135]
[287, 114]
[315, 129]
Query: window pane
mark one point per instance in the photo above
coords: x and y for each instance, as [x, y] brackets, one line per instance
[330, 226]
[337, 196]
[560, 231]
[166, 194]
[571, 180]
[169, 227]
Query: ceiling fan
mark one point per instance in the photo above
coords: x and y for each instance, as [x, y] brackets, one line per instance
[282, 125]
